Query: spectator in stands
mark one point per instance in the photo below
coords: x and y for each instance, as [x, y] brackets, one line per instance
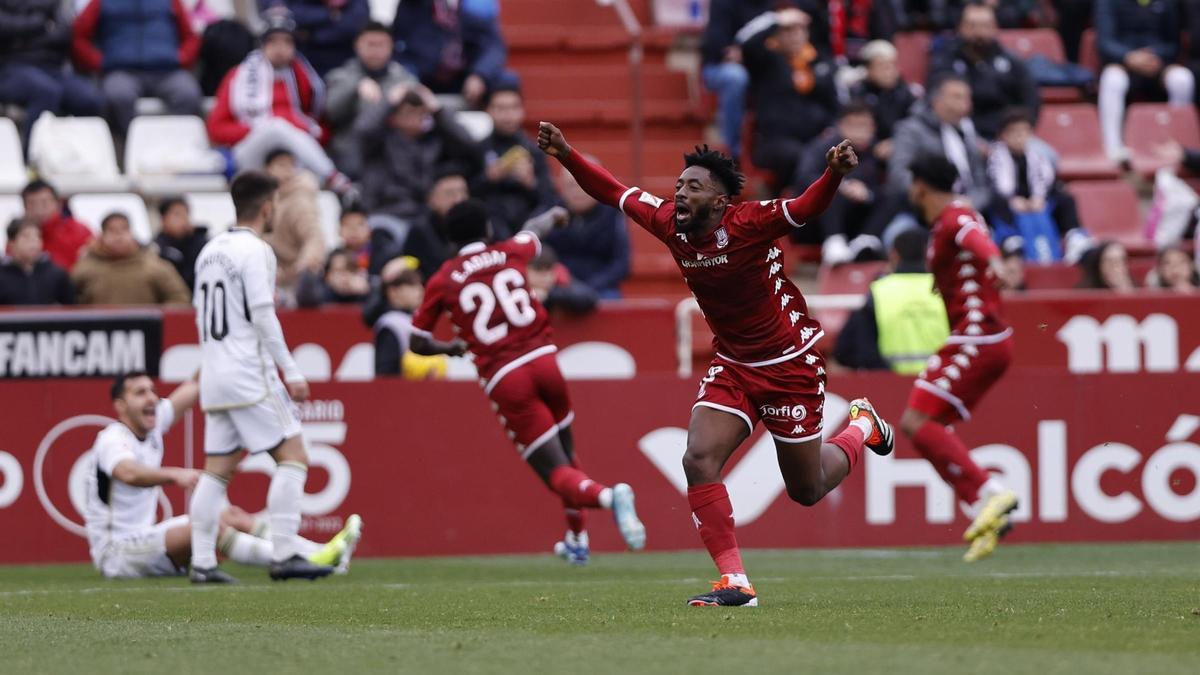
[1071, 18]
[425, 239]
[795, 84]
[453, 47]
[998, 79]
[119, 271]
[1139, 42]
[943, 127]
[844, 228]
[1179, 156]
[515, 184]
[1174, 271]
[27, 275]
[140, 48]
[355, 234]
[594, 243]
[325, 29]
[342, 282]
[551, 283]
[363, 80]
[1106, 267]
[1030, 200]
[180, 240]
[295, 234]
[406, 140]
[63, 237]
[402, 293]
[891, 98]
[852, 23]
[35, 45]
[272, 100]
[903, 322]
[1012, 252]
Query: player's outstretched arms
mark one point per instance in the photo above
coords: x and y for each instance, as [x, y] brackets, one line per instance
[139, 475]
[594, 180]
[423, 345]
[817, 197]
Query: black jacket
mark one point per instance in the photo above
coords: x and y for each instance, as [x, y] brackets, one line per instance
[727, 17]
[33, 32]
[780, 110]
[47, 284]
[998, 81]
[182, 253]
[812, 164]
[1125, 25]
[510, 202]
[888, 106]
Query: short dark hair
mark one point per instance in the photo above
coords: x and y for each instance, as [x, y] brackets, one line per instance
[250, 190]
[512, 87]
[353, 206]
[910, 245]
[111, 217]
[546, 260]
[118, 385]
[938, 84]
[935, 171]
[412, 99]
[17, 224]
[466, 222]
[450, 170]
[855, 108]
[721, 166]
[276, 154]
[374, 26]
[166, 204]
[37, 185]
[1014, 115]
[340, 252]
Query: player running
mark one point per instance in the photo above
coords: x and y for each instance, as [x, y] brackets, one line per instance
[767, 367]
[967, 269]
[247, 408]
[483, 289]
[123, 490]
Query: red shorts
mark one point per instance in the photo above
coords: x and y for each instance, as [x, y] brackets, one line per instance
[531, 402]
[788, 397]
[957, 377]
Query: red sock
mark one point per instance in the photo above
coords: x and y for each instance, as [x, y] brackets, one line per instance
[945, 450]
[713, 514]
[851, 442]
[576, 521]
[575, 487]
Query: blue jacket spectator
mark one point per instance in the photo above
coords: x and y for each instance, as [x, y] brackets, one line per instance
[35, 44]
[325, 29]
[452, 49]
[594, 244]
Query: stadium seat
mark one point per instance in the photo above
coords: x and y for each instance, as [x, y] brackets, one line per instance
[384, 11]
[848, 279]
[170, 154]
[914, 55]
[1073, 130]
[212, 209]
[76, 154]
[1089, 53]
[331, 213]
[12, 159]
[10, 207]
[1045, 42]
[1148, 125]
[1108, 209]
[477, 123]
[90, 209]
[1050, 277]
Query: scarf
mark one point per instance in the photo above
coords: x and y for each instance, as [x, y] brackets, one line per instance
[954, 145]
[1039, 170]
[252, 91]
[803, 78]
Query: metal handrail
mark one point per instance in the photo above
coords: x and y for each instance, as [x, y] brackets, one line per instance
[633, 27]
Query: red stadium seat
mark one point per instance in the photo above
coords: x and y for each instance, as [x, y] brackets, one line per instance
[1050, 277]
[1108, 209]
[914, 55]
[1148, 125]
[1074, 131]
[852, 278]
[1089, 54]
[1027, 42]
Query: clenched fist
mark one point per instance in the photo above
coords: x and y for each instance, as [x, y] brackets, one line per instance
[551, 140]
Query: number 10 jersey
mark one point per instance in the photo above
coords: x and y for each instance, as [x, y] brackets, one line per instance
[235, 273]
[484, 290]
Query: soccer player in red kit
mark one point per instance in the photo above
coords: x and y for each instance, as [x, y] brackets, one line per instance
[967, 270]
[483, 289]
[766, 367]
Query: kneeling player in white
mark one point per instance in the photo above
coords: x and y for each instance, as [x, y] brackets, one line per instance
[122, 495]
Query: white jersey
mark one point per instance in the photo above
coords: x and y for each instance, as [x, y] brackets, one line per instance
[115, 509]
[235, 273]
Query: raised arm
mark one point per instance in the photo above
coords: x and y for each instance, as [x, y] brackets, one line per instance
[841, 160]
[185, 395]
[595, 180]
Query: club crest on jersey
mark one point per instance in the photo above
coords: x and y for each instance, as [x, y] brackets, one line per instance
[722, 238]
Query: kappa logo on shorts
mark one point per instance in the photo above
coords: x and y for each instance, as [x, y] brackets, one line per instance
[798, 429]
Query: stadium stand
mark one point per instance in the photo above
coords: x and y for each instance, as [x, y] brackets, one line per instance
[90, 209]
[213, 209]
[191, 166]
[12, 162]
[1149, 125]
[10, 207]
[1073, 130]
[77, 154]
[1109, 210]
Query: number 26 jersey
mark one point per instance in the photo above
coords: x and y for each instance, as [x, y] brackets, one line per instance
[235, 273]
[484, 290]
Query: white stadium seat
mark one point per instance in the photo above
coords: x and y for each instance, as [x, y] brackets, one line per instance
[90, 209]
[12, 159]
[170, 154]
[10, 207]
[384, 11]
[330, 208]
[76, 154]
[477, 123]
[214, 209]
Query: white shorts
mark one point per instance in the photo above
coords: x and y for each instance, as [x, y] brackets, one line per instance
[256, 428]
[141, 554]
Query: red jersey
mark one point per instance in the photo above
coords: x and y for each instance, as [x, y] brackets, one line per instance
[483, 289]
[737, 272]
[959, 252]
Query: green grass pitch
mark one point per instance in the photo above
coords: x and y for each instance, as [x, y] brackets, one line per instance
[1030, 609]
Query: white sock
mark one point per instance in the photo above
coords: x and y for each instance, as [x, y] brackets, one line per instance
[605, 498]
[283, 507]
[1114, 85]
[246, 548]
[739, 580]
[864, 425]
[205, 513]
[261, 528]
[991, 488]
[1180, 85]
[306, 547]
